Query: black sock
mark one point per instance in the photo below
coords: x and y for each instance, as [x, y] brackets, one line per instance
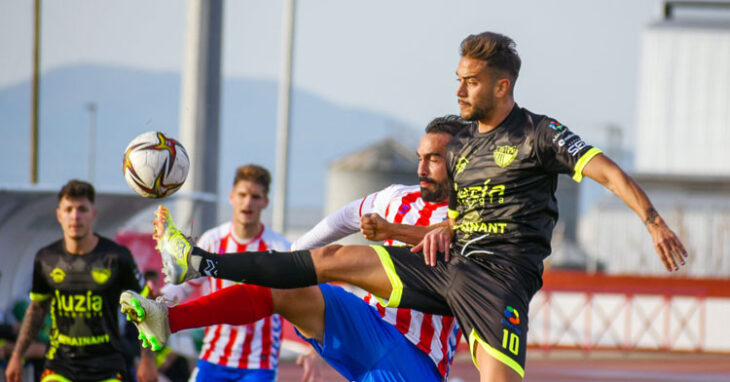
[271, 269]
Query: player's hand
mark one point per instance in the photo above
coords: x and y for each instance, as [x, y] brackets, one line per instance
[374, 227]
[435, 241]
[311, 364]
[667, 245]
[147, 370]
[13, 370]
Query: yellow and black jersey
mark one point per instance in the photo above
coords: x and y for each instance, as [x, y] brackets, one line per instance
[504, 182]
[84, 292]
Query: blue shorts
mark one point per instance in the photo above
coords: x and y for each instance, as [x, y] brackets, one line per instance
[206, 371]
[363, 347]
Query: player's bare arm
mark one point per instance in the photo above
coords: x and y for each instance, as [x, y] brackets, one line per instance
[435, 241]
[604, 171]
[147, 369]
[374, 227]
[35, 315]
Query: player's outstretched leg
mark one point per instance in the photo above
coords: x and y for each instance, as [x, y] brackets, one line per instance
[237, 305]
[149, 316]
[357, 265]
[182, 261]
[176, 249]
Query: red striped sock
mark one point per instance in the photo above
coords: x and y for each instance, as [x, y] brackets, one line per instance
[236, 305]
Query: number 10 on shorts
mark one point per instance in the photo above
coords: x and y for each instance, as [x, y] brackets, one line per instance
[510, 341]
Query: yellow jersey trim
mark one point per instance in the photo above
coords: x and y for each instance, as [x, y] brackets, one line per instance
[145, 292]
[395, 282]
[453, 214]
[582, 162]
[39, 296]
[474, 339]
[161, 355]
[61, 378]
[55, 378]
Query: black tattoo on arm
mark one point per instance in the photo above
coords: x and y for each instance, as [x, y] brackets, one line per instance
[35, 315]
[651, 216]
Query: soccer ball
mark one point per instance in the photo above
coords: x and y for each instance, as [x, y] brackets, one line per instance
[155, 166]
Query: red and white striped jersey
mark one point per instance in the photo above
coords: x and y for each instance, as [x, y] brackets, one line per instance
[251, 346]
[436, 335]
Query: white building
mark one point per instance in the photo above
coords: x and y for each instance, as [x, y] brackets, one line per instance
[682, 159]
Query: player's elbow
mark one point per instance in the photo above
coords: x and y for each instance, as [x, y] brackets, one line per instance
[617, 180]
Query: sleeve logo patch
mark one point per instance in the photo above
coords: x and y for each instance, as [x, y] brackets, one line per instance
[556, 126]
[504, 155]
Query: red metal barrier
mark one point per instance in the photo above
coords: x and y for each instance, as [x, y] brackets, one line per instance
[679, 314]
[601, 283]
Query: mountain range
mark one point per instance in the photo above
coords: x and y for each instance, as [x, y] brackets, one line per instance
[130, 101]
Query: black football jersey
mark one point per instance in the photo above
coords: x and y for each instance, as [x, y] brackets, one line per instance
[84, 292]
[504, 182]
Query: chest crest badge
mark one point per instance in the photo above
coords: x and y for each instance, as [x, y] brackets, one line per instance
[461, 164]
[504, 155]
[57, 274]
[101, 275]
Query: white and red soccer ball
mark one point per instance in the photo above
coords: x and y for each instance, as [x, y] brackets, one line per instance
[155, 165]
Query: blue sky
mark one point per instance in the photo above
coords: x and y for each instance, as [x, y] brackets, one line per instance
[580, 58]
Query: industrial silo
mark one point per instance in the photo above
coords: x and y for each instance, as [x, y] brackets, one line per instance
[368, 170]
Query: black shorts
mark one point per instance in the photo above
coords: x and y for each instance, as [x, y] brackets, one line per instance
[490, 299]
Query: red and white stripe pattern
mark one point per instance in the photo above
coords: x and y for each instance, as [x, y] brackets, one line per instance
[252, 346]
[436, 335]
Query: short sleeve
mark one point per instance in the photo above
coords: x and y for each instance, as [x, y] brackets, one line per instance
[562, 151]
[129, 275]
[40, 291]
